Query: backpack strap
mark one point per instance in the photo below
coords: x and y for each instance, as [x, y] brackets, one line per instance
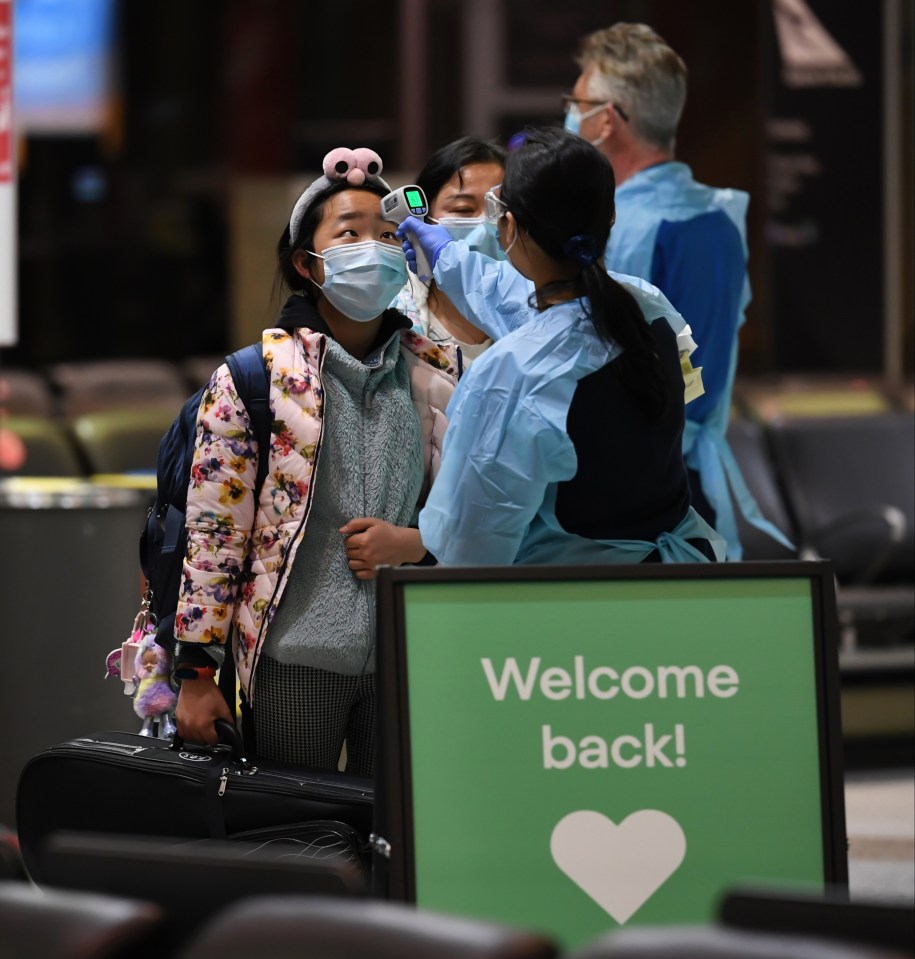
[249, 374]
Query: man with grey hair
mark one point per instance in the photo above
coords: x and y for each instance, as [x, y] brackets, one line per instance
[686, 238]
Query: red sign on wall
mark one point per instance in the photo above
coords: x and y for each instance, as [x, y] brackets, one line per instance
[6, 91]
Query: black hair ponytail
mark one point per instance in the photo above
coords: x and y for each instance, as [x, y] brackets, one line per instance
[560, 190]
[617, 316]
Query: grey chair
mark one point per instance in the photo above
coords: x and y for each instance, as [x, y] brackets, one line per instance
[319, 927]
[850, 486]
[757, 923]
[62, 924]
[714, 942]
[750, 445]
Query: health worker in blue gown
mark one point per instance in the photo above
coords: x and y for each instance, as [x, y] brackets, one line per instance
[564, 437]
[686, 238]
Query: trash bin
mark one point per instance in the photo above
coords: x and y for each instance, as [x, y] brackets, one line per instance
[70, 586]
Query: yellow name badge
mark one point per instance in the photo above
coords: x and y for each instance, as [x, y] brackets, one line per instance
[692, 379]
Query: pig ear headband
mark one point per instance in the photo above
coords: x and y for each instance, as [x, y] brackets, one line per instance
[354, 166]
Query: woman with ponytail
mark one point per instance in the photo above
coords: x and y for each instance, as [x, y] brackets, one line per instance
[564, 437]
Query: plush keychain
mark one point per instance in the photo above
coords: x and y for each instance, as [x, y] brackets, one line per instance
[155, 700]
[145, 669]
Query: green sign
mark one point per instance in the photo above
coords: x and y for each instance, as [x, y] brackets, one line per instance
[580, 754]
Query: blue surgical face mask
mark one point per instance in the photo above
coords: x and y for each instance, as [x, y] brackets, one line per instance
[361, 279]
[475, 233]
[574, 117]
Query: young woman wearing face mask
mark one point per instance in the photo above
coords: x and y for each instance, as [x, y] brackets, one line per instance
[454, 180]
[356, 399]
[564, 438]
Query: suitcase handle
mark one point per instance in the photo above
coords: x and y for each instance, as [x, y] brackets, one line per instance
[229, 735]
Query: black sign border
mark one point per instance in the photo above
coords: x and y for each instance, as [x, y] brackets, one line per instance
[394, 874]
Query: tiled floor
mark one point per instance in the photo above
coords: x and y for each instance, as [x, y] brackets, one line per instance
[880, 820]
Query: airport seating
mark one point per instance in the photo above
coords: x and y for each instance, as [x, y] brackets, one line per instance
[713, 942]
[64, 924]
[876, 617]
[904, 395]
[11, 864]
[25, 393]
[289, 927]
[813, 395]
[89, 386]
[832, 915]
[849, 482]
[49, 450]
[121, 441]
[749, 443]
[140, 898]
[768, 924]
[197, 370]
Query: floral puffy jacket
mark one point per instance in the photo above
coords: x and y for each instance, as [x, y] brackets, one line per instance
[239, 555]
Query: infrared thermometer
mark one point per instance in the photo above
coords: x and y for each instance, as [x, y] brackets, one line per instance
[396, 207]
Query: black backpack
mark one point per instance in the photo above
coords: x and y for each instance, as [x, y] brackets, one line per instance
[164, 538]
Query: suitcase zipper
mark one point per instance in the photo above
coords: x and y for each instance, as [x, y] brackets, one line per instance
[121, 752]
[287, 782]
[120, 748]
[292, 785]
[248, 777]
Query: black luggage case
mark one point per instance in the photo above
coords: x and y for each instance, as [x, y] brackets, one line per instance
[118, 782]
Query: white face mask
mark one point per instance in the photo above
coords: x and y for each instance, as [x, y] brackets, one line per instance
[361, 279]
[474, 231]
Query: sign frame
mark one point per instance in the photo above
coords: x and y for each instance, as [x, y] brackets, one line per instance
[395, 859]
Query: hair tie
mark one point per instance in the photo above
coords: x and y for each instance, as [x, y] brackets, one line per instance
[580, 248]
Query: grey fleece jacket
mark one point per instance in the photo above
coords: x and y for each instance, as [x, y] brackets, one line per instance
[370, 464]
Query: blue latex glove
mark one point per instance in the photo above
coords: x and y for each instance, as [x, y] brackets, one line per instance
[431, 238]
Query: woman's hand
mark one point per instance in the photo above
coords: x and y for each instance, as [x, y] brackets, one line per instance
[200, 704]
[371, 542]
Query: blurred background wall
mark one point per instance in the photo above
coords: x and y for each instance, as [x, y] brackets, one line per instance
[150, 198]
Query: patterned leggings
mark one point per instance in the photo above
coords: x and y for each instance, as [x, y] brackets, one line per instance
[304, 715]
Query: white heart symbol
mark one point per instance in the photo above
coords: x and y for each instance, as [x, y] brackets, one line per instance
[619, 867]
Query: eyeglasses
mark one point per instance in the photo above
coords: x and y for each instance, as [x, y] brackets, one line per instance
[568, 101]
[493, 207]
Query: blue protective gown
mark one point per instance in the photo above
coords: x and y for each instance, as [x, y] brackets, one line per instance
[545, 461]
[689, 240]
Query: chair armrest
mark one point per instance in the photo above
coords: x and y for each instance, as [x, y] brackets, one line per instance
[891, 517]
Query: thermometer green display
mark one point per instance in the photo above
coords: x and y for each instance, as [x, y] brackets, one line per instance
[396, 207]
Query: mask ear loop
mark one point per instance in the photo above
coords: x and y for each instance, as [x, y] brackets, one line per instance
[313, 280]
[514, 241]
[310, 253]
